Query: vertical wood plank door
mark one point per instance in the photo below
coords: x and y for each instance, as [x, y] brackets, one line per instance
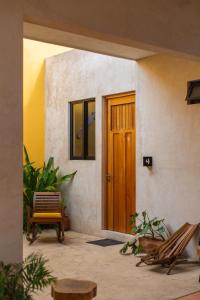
[120, 165]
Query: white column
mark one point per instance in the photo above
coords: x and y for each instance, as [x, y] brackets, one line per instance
[11, 33]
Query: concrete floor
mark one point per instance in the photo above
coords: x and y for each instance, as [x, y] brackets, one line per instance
[116, 275]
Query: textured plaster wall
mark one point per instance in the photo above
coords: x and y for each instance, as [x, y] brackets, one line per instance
[169, 130]
[72, 76]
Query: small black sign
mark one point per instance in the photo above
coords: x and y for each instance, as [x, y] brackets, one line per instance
[147, 161]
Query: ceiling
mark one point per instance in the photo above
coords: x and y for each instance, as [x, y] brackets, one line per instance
[72, 40]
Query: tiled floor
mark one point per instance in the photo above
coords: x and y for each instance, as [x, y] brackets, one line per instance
[116, 275]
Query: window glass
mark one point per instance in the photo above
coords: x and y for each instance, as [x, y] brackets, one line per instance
[82, 137]
[195, 92]
[78, 129]
[91, 129]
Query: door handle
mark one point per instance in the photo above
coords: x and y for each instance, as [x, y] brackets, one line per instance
[108, 177]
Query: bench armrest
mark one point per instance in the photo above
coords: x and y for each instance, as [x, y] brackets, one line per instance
[63, 211]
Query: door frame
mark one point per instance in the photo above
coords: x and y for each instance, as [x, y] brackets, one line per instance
[105, 151]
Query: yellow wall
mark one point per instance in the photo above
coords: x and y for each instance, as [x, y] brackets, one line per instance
[33, 96]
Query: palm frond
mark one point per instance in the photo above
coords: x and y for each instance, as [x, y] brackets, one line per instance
[35, 274]
[19, 281]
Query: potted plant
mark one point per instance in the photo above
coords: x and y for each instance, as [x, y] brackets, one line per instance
[149, 233]
[45, 179]
[20, 281]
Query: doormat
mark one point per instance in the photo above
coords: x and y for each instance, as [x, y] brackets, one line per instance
[105, 242]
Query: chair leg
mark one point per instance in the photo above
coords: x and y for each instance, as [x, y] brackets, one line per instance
[63, 230]
[28, 232]
[140, 262]
[171, 267]
[59, 232]
[144, 260]
[31, 235]
[34, 232]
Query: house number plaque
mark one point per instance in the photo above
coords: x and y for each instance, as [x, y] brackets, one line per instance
[147, 161]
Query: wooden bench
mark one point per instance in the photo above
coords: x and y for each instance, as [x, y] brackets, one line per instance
[47, 209]
[72, 289]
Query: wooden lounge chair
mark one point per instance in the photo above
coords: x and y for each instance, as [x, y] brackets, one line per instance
[170, 252]
[47, 209]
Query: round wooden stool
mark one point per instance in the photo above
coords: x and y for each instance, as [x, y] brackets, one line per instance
[72, 289]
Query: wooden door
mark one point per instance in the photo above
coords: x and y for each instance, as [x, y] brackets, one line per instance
[120, 165]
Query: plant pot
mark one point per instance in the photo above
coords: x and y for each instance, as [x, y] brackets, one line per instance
[66, 223]
[148, 244]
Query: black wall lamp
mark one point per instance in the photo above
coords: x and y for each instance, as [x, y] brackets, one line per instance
[193, 92]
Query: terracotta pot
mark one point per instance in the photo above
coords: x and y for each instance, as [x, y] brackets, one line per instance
[148, 244]
[66, 223]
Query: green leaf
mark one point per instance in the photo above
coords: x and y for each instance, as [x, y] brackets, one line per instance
[145, 225]
[133, 218]
[144, 214]
[2, 285]
[27, 160]
[161, 229]
[49, 164]
[50, 189]
[156, 223]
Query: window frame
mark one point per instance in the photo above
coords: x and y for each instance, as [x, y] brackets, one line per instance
[85, 155]
[191, 85]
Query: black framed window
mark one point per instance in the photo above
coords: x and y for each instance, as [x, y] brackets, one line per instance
[193, 92]
[82, 129]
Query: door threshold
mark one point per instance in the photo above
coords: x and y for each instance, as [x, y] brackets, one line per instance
[115, 235]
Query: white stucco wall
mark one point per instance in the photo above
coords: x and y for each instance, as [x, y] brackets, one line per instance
[167, 129]
[73, 76]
